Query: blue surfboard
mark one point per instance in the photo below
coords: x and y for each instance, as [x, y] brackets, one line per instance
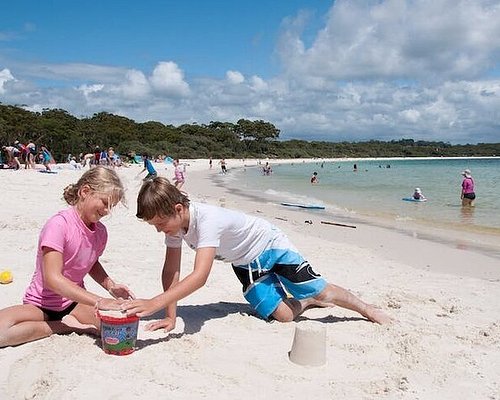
[414, 200]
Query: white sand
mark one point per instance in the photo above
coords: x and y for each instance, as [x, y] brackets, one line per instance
[444, 345]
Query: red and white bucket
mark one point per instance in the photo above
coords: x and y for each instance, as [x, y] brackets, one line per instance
[118, 332]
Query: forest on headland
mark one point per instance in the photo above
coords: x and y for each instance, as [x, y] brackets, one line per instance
[64, 133]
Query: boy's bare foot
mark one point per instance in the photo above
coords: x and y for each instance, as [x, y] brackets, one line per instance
[377, 315]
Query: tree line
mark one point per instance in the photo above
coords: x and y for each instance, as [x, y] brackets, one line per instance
[64, 133]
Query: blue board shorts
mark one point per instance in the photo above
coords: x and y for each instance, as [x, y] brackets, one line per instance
[279, 271]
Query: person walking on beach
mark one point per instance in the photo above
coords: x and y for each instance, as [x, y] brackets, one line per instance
[69, 248]
[24, 153]
[179, 177]
[223, 166]
[32, 153]
[261, 255]
[148, 166]
[46, 158]
[467, 195]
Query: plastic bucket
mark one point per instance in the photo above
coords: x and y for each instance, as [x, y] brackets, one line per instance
[118, 334]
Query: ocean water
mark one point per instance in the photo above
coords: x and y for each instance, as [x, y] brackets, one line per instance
[377, 188]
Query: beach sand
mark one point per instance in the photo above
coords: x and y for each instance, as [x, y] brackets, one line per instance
[444, 344]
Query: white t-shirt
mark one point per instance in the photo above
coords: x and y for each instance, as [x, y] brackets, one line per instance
[238, 238]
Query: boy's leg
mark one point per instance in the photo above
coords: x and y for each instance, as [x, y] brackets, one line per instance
[334, 295]
[291, 308]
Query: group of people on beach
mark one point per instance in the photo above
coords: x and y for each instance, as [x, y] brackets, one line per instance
[12, 156]
[277, 281]
[98, 156]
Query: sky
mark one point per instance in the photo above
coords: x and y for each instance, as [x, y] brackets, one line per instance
[345, 70]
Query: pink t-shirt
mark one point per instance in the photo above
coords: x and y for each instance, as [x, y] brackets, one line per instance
[179, 175]
[468, 186]
[81, 247]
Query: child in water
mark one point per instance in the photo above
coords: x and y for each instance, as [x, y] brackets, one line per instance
[261, 255]
[418, 195]
[69, 248]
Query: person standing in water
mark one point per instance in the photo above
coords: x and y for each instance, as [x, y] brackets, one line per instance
[467, 195]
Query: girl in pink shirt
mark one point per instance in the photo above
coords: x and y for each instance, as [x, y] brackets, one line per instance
[69, 248]
[179, 178]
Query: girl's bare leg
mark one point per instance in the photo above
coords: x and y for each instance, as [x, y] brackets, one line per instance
[26, 323]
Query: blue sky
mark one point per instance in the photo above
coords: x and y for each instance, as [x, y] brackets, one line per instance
[343, 70]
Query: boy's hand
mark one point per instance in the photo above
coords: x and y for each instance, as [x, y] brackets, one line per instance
[119, 291]
[168, 324]
[140, 307]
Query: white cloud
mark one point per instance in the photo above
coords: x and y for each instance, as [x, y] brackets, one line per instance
[428, 39]
[411, 115]
[168, 78]
[264, 107]
[74, 72]
[5, 76]
[88, 90]
[377, 69]
[235, 77]
[258, 84]
[136, 85]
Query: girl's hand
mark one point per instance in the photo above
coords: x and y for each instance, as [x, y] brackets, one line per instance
[168, 324]
[141, 308]
[108, 304]
[119, 291]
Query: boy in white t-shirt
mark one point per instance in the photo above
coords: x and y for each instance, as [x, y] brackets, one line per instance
[262, 257]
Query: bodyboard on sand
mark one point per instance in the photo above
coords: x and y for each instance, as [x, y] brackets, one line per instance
[44, 171]
[309, 206]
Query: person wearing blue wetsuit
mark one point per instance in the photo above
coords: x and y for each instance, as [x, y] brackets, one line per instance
[148, 166]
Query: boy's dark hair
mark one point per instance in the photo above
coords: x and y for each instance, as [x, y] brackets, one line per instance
[159, 197]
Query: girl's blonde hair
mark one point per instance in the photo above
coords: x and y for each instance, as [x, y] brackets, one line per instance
[159, 197]
[99, 179]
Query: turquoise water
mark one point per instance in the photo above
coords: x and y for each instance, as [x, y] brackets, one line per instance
[376, 190]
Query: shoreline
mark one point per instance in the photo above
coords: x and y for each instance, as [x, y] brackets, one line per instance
[484, 239]
[407, 244]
